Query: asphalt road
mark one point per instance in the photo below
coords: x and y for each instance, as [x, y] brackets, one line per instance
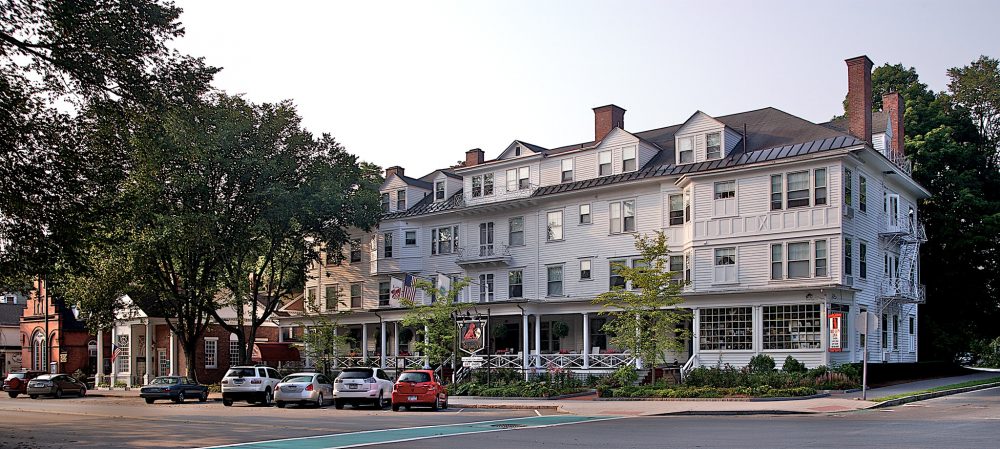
[966, 420]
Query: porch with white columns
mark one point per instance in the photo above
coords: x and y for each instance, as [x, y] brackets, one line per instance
[381, 350]
[148, 377]
[586, 341]
[100, 355]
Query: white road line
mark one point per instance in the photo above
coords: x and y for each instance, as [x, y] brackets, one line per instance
[459, 411]
[537, 412]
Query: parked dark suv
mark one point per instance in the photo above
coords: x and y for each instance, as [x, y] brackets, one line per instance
[17, 381]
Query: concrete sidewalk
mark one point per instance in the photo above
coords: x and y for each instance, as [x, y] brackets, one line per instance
[833, 403]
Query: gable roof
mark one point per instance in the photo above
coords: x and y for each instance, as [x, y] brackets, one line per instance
[880, 122]
[427, 205]
[415, 182]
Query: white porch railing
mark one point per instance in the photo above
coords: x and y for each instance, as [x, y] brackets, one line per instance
[509, 361]
[690, 365]
[564, 360]
[610, 361]
[408, 362]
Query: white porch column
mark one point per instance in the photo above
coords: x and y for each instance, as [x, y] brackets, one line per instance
[538, 340]
[638, 358]
[100, 356]
[114, 364]
[364, 343]
[149, 352]
[586, 341]
[427, 360]
[381, 350]
[525, 345]
[395, 338]
[173, 354]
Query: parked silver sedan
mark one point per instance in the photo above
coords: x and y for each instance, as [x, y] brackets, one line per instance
[55, 385]
[304, 388]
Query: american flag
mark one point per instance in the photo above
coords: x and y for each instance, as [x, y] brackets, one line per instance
[409, 292]
[115, 352]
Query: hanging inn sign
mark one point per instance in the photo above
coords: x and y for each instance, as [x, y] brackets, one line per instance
[472, 336]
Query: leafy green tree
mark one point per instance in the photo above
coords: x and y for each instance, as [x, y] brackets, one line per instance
[321, 342]
[435, 322]
[57, 57]
[645, 320]
[976, 87]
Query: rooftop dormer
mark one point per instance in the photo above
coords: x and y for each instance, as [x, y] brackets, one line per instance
[702, 138]
[400, 192]
[518, 149]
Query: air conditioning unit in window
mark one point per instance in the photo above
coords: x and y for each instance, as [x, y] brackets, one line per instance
[849, 211]
[849, 281]
[885, 356]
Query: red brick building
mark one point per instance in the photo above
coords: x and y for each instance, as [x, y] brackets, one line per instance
[69, 346]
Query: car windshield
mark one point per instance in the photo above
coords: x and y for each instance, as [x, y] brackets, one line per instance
[300, 378]
[241, 372]
[166, 381]
[359, 373]
[16, 375]
[415, 377]
[45, 377]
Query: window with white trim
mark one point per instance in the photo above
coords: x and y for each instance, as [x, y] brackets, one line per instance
[486, 291]
[777, 261]
[713, 146]
[401, 199]
[439, 191]
[554, 225]
[885, 331]
[410, 238]
[688, 267]
[385, 202]
[387, 245]
[516, 231]
[819, 186]
[862, 260]
[444, 240]
[676, 206]
[356, 289]
[820, 258]
[616, 280]
[477, 186]
[725, 198]
[384, 293]
[685, 150]
[488, 184]
[726, 328]
[515, 284]
[622, 216]
[777, 192]
[725, 265]
[124, 355]
[555, 280]
[798, 260]
[567, 170]
[585, 271]
[355, 251]
[604, 163]
[234, 350]
[798, 189]
[518, 179]
[585, 214]
[848, 256]
[211, 352]
[793, 326]
[895, 332]
[862, 194]
[629, 161]
[848, 187]
[332, 293]
[676, 267]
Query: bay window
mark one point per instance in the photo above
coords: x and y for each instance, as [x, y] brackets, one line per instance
[726, 328]
[676, 206]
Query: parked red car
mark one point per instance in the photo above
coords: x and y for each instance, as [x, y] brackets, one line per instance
[17, 381]
[419, 388]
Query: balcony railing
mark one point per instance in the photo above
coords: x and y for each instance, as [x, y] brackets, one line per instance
[902, 224]
[900, 289]
[501, 193]
[491, 253]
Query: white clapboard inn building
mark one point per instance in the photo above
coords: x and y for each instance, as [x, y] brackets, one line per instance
[778, 224]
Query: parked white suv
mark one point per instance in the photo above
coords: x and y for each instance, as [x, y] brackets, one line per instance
[249, 383]
[357, 386]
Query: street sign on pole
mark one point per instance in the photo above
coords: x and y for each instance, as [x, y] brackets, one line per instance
[865, 323]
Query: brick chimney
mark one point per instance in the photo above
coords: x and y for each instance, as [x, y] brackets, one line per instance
[474, 156]
[892, 106]
[859, 97]
[607, 118]
[394, 170]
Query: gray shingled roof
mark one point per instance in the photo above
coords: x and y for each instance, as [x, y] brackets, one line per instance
[879, 121]
[427, 205]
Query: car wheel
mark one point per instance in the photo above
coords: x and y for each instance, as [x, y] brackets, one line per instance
[180, 398]
[280, 404]
[33, 396]
[12, 394]
[83, 392]
[203, 397]
[227, 402]
[150, 400]
[380, 402]
[338, 404]
[407, 407]
[436, 405]
[444, 405]
[268, 397]
[58, 393]
[395, 407]
[319, 401]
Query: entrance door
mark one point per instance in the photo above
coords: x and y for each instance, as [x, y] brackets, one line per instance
[892, 209]
[162, 362]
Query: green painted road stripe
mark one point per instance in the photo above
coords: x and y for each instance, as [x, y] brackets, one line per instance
[371, 437]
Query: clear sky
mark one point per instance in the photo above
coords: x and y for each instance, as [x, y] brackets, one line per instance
[417, 83]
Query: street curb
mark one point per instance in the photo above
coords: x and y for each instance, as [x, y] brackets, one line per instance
[732, 413]
[797, 398]
[523, 398]
[505, 406]
[932, 395]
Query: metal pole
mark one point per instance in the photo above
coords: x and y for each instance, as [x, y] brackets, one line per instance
[489, 350]
[48, 347]
[864, 365]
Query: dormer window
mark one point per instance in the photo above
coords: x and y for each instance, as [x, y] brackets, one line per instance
[517, 150]
[713, 145]
[604, 163]
[567, 170]
[518, 179]
[401, 199]
[439, 191]
[385, 202]
[482, 185]
[685, 150]
[628, 160]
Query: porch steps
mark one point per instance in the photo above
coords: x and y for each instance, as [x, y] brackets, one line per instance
[671, 375]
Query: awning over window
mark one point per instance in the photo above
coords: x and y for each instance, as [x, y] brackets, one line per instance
[275, 352]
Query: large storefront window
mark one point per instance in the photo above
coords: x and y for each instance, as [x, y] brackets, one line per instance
[729, 328]
[792, 326]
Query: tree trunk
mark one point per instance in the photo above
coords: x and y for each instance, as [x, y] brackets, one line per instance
[190, 352]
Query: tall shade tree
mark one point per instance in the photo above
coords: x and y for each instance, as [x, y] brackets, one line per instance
[435, 322]
[288, 192]
[976, 87]
[646, 319]
[56, 56]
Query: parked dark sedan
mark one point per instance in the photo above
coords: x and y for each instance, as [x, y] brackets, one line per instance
[175, 388]
[17, 382]
[55, 385]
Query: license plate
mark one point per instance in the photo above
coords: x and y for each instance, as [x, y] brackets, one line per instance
[411, 398]
[352, 386]
[237, 381]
